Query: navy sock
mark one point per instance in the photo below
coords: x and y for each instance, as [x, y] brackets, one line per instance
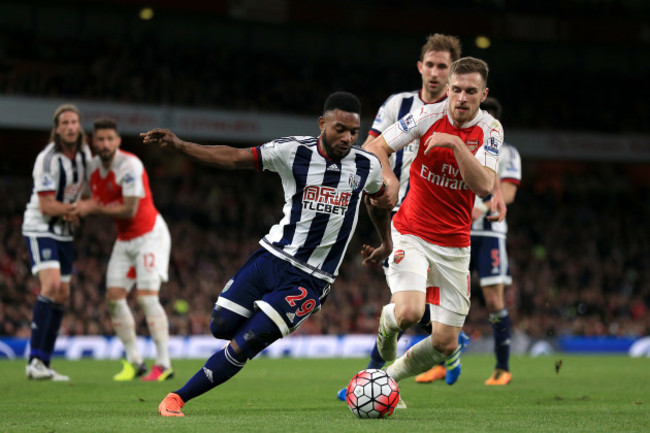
[56, 317]
[376, 361]
[501, 328]
[425, 321]
[218, 368]
[40, 321]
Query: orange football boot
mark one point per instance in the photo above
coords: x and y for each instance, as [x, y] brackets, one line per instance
[499, 377]
[436, 373]
[171, 405]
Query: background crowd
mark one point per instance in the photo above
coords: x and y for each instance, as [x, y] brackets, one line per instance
[578, 248]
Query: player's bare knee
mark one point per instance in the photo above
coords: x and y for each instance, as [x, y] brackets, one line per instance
[408, 316]
[446, 347]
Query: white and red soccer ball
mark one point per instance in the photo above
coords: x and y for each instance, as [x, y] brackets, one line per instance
[372, 394]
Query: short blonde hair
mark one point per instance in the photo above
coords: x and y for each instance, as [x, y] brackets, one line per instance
[440, 42]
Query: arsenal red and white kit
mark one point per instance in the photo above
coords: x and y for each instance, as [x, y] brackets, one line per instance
[431, 230]
[141, 252]
[438, 207]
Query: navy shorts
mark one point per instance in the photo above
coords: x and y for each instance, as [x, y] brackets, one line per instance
[489, 258]
[286, 294]
[46, 252]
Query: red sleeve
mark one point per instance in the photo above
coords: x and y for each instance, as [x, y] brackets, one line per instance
[257, 157]
[511, 180]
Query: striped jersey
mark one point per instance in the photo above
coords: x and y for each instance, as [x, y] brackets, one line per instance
[508, 170]
[438, 207]
[126, 177]
[394, 108]
[322, 198]
[55, 173]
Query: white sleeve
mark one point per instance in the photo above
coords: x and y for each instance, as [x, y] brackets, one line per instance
[405, 130]
[46, 173]
[276, 154]
[375, 183]
[488, 153]
[509, 163]
[386, 115]
[130, 178]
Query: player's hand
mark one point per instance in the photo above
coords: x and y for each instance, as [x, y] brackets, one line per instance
[72, 214]
[439, 139]
[375, 255]
[498, 210]
[477, 213]
[162, 137]
[85, 207]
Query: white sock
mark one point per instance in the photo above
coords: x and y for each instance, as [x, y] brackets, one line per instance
[158, 327]
[388, 313]
[124, 326]
[418, 359]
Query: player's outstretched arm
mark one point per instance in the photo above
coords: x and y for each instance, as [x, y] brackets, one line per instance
[219, 156]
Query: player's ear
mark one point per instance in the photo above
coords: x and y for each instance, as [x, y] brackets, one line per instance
[485, 93]
[321, 123]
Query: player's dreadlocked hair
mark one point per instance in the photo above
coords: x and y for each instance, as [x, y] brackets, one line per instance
[343, 101]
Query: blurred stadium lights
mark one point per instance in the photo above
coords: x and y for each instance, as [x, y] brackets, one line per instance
[146, 14]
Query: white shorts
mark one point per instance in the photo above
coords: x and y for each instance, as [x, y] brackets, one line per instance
[143, 260]
[442, 273]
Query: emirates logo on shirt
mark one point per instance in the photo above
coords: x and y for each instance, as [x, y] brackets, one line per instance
[398, 256]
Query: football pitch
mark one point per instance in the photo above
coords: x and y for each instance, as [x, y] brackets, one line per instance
[588, 394]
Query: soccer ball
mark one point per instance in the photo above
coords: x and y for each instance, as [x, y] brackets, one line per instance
[372, 394]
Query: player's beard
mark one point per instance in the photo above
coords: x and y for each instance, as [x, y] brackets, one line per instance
[329, 149]
[107, 158]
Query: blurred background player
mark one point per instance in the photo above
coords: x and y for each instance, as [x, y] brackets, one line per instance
[436, 57]
[283, 283]
[60, 177]
[456, 160]
[489, 257]
[120, 190]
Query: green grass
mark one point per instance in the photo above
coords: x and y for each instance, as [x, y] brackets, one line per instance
[590, 394]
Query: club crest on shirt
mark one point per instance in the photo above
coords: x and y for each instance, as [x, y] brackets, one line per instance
[354, 180]
[407, 123]
[472, 145]
[398, 256]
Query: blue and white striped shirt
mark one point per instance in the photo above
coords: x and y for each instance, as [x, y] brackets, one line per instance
[66, 178]
[322, 198]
